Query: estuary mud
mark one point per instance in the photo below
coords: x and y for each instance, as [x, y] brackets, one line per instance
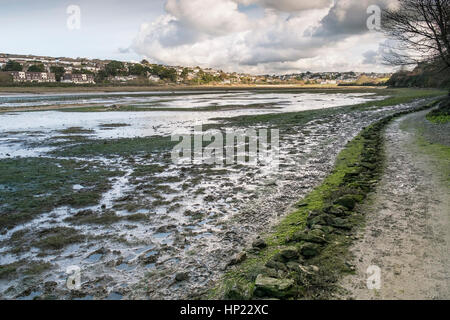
[142, 227]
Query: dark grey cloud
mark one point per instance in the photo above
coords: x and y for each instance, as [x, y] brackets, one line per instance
[348, 17]
[370, 57]
[124, 50]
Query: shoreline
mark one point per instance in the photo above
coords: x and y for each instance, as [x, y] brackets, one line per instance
[109, 89]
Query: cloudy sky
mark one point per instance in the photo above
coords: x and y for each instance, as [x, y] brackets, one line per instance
[256, 36]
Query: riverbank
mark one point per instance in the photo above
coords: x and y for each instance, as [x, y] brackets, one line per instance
[307, 253]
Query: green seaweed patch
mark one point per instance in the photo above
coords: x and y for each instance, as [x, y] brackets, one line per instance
[143, 170]
[57, 238]
[76, 130]
[32, 186]
[114, 125]
[103, 217]
[24, 267]
[118, 147]
[93, 217]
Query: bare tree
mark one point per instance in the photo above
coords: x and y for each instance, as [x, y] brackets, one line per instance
[420, 30]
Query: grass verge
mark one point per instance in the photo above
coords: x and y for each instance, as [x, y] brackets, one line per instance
[440, 115]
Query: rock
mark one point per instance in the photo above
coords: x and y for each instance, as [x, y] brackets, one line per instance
[316, 220]
[272, 272]
[50, 286]
[325, 229]
[276, 265]
[272, 287]
[118, 262]
[351, 176]
[165, 229]
[254, 251]
[101, 250]
[309, 250]
[350, 266]
[301, 204]
[339, 223]
[289, 253]
[337, 210]
[240, 257]
[315, 235]
[349, 201]
[181, 276]
[238, 292]
[259, 243]
[368, 165]
[295, 266]
[270, 182]
[149, 259]
[84, 213]
[180, 240]
[314, 268]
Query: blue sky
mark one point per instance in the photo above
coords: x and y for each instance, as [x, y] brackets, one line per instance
[256, 36]
[39, 27]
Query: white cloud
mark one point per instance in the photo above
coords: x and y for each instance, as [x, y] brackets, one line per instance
[289, 5]
[287, 38]
[214, 17]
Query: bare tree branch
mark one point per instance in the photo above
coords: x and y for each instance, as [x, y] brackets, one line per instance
[421, 30]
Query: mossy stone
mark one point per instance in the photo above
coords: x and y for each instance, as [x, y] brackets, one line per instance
[309, 250]
[349, 201]
[272, 287]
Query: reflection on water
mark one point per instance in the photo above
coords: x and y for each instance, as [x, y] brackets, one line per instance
[41, 125]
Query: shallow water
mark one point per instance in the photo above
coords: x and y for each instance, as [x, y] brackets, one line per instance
[180, 99]
[37, 126]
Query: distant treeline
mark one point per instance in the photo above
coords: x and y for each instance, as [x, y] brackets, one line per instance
[421, 77]
[364, 84]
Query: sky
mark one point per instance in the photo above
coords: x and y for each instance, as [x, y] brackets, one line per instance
[254, 36]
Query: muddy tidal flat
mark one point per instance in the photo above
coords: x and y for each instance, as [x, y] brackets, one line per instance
[87, 180]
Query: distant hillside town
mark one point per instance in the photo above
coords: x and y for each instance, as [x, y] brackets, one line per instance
[17, 69]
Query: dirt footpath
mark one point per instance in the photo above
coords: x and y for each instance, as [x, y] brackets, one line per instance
[407, 233]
